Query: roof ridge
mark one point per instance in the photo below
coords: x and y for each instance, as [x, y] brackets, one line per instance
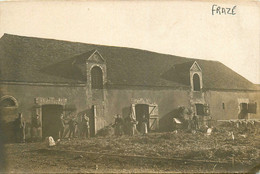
[111, 46]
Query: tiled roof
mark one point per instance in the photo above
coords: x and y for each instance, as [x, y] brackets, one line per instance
[28, 59]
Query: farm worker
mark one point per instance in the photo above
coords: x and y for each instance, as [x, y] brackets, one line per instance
[61, 126]
[195, 122]
[79, 126]
[132, 124]
[144, 128]
[19, 126]
[72, 127]
[36, 127]
[118, 125]
[85, 126]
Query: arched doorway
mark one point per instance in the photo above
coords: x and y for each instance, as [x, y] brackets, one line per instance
[8, 113]
[196, 82]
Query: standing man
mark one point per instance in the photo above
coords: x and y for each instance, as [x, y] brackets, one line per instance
[36, 127]
[195, 122]
[144, 125]
[85, 126]
[131, 124]
[118, 125]
[19, 126]
[72, 127]
[61, 126]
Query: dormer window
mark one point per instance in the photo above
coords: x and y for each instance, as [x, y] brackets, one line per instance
[196, 77]
[96, 78]
[196, 82]
[95, 70]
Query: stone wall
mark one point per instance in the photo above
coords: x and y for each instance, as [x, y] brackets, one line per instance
[121, 100]
[26, 96]
[31, 97]
[231, 101]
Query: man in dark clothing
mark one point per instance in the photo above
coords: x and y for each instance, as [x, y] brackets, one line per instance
[61, 126]
[195, 121]
[72, 127]
[131, 124]
[19, 126]
[85, 126]
[36, 127]
[118, 125]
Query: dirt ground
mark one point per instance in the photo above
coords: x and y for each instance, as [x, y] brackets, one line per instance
[155, 152]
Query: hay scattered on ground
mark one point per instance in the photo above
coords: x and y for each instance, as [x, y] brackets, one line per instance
[219, 146]
[107, 131]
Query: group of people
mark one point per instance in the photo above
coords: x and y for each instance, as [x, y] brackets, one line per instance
[80, 127]
[129, 124]
[186, 120]
[76, 127]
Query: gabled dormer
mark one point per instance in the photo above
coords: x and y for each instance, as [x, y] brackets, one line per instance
[93, 66]
[95, 57]
[96, 70]
[196, 77]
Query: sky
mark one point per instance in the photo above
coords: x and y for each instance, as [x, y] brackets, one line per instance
[182, 28]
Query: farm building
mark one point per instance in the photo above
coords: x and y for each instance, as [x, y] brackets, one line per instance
[49, 77]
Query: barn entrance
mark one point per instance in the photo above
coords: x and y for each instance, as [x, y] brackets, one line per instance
[50, 119]
[140, 111]
[8, 114]
[243, 111]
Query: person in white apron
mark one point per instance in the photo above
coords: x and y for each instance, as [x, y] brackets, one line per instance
[144, 128]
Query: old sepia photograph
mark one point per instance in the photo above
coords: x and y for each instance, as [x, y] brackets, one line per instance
[130, 86]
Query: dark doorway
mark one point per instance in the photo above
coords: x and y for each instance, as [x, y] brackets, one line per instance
[7, 118]
[50, 120]
[140, 110]
[8, 114]
[243, 111]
